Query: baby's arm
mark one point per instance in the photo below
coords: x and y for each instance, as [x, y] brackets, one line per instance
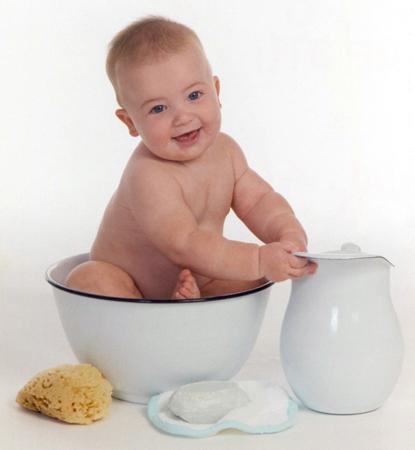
[265, 212]
[156, 200]
[269, 216]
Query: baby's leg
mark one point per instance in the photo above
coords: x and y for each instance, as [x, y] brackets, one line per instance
[101, 278]
[224, 287]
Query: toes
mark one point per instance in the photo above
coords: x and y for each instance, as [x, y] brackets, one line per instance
[188, 276]
[184, 274]
[178, 296]
[185, 292]
[186, 287]
[190, 280]
[192, 288]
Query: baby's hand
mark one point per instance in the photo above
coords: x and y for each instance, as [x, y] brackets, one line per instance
[277, 264]
[297, 241]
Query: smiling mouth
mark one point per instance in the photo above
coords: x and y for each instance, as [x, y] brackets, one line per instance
[188, 138]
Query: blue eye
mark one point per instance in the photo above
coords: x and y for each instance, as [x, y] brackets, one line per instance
[194, 95]
[158, 109]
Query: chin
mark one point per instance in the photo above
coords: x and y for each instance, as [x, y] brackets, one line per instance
[190, 156]
[178, 157]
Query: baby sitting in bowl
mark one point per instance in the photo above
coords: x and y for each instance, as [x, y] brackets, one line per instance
[162, 232]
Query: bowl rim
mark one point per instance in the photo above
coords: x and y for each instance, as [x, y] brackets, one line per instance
[147, 300]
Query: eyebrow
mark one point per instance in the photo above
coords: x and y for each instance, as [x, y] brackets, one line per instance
[151, 100]
[162, 98]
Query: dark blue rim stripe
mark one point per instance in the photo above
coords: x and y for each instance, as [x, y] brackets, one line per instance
[143, 300]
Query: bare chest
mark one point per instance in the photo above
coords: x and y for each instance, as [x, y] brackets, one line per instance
[208, 191]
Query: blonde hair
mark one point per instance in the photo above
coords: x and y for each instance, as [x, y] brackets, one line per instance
[147, 40]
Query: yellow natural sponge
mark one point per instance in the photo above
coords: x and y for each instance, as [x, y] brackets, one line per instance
[74, 394]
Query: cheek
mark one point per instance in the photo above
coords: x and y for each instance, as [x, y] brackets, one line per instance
[215, 118]
[155, 131]
[212, 114]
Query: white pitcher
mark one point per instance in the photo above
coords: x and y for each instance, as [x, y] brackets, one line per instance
[341, 344]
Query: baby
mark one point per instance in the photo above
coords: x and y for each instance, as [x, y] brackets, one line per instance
[161, 235]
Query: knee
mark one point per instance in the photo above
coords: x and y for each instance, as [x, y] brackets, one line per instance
[87, 273]
[98, 277]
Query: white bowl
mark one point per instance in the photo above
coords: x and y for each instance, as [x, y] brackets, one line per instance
[145, 347]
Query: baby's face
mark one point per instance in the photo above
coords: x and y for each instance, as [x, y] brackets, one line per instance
[173, 105]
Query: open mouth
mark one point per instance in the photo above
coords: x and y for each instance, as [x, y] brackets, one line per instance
[188, 138]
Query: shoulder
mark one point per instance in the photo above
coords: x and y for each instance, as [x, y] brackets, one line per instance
[143, 163]
[239, 162]
[145, 174]
[227, 142]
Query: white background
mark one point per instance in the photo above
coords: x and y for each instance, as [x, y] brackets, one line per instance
[320, 95]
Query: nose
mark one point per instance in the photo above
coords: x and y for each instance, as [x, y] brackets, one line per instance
[182, 116]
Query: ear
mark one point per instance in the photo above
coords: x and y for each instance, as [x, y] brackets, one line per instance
[123, 115]
[217, 87]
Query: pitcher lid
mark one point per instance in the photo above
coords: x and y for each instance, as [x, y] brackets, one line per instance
[348, 251]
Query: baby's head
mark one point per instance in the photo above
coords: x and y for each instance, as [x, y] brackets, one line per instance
[147, 41]
[164, 85]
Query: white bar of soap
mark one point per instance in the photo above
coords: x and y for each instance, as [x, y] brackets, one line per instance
[207, 401]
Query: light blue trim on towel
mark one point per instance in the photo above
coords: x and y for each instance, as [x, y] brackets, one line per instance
[186, 431]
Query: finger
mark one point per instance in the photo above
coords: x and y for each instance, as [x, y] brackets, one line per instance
[309, 269]
[297, 262]
[289, 246]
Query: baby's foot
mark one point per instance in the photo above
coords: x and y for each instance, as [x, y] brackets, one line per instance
[186, 287]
